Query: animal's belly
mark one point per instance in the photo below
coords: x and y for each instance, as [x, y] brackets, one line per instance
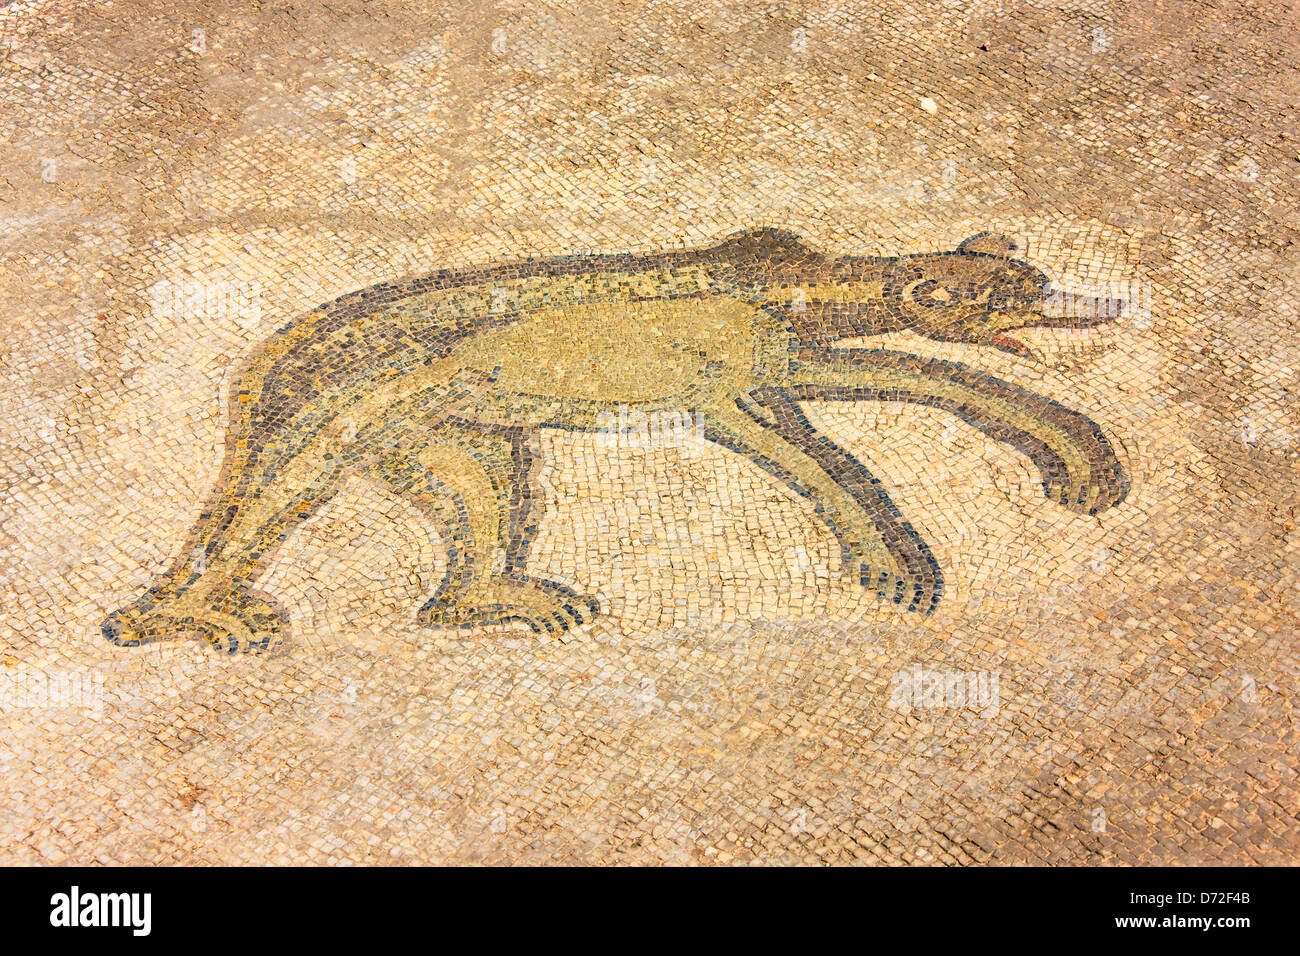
[633, 353]
[565, 366]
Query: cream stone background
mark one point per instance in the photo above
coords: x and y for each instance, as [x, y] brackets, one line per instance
[1146, 657]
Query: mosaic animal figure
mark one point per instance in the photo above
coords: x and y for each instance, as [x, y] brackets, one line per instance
[436, 388]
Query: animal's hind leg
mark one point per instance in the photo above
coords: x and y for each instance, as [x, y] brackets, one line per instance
[441, 504]
[210, 591]
[474, 482]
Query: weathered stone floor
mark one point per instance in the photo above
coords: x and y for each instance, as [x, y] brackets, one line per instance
[1108, 671]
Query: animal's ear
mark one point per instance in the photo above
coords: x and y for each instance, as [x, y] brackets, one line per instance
[989, 244]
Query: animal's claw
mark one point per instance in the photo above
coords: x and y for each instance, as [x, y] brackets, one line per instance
[231, 622]
[1091, 495]
[912, 592]
[544, 606]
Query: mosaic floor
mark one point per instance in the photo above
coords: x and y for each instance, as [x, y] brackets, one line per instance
[660, 433]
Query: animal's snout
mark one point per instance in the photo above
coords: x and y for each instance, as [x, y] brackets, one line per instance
[1069, 308]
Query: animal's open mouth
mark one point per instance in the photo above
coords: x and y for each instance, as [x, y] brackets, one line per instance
[1057, 309]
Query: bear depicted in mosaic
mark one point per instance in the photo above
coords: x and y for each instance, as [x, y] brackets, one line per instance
[436, 387]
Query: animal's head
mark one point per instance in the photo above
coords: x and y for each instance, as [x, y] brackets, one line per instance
[979, 293]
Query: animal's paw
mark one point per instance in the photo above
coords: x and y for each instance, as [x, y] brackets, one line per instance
[1090, 489]
[899, 567]
[1089, 479]
[546, 607]
[235, 621]
[918, 590]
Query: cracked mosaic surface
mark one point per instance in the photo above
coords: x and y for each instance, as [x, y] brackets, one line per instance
[666, 432]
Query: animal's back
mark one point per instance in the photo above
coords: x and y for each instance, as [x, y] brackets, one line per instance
[310, 369]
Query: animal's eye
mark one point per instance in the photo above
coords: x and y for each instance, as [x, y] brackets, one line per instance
[932, 291]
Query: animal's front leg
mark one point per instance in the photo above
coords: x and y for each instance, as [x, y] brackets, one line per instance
[880, 547]
[1078, 465]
